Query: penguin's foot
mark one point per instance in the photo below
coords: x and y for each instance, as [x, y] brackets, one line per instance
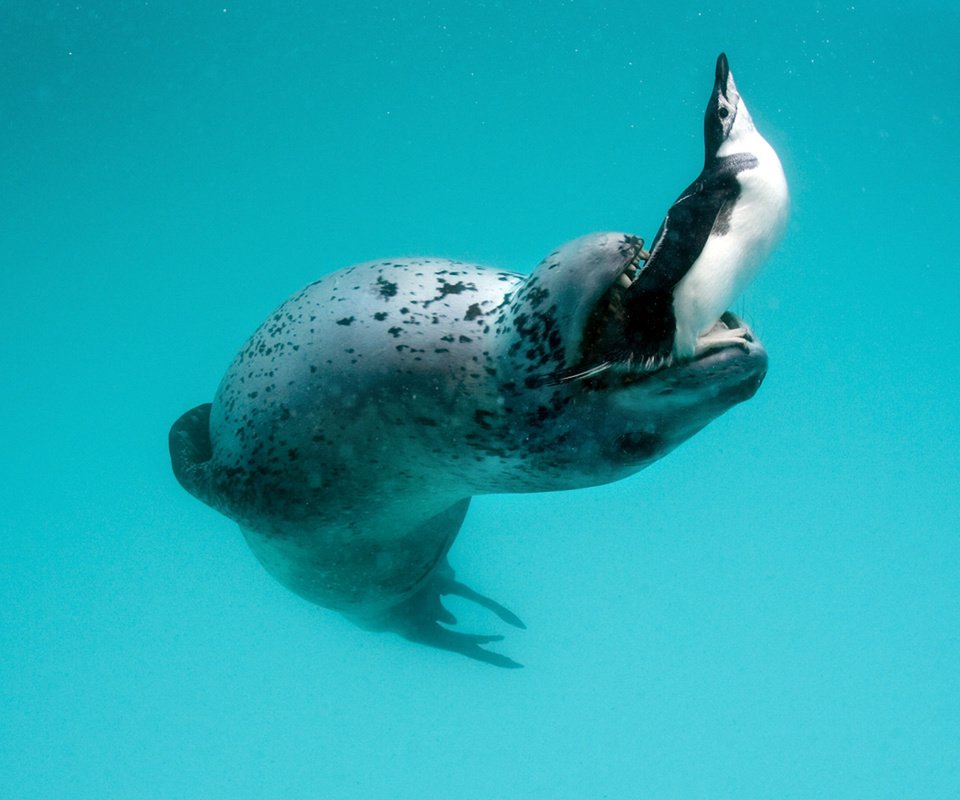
[722, 335]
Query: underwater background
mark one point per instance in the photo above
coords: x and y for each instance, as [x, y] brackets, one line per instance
[771, 611]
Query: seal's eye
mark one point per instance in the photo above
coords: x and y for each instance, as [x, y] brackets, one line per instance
[724, 113]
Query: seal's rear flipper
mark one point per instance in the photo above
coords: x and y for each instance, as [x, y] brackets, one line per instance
[467, 644]
[417, 618]
[462, 590]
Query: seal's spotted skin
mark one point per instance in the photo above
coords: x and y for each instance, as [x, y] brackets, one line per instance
[350, 432]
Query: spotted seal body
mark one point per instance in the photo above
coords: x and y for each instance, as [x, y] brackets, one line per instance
[352, 429]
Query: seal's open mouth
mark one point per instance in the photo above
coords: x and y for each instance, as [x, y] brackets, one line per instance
[604, 346]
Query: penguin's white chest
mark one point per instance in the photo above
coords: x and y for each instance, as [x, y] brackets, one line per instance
[739, 242]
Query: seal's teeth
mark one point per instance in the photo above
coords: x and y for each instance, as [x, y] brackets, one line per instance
[641, 256]
[624, 280]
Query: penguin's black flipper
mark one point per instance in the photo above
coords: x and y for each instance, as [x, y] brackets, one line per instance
[649, 321]
[650, 327]
[681, 237]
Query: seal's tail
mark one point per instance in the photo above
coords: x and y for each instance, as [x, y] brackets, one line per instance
[190, 451]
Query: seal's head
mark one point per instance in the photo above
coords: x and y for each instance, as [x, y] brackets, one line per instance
[569, 363]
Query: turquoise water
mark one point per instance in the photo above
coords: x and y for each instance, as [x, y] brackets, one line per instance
[771, 611]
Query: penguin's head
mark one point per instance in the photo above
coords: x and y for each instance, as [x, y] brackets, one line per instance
[727, 123]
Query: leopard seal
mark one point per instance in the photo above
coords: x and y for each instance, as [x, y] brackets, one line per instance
[350, 432]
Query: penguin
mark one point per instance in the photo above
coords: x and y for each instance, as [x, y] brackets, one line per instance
[712, 241]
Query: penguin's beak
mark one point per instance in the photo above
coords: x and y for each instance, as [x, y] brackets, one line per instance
[723, 80]
[722, 108]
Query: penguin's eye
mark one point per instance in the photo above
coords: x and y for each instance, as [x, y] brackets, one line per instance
[724, 113]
